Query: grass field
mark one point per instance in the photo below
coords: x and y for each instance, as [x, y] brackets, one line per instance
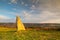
[7, 29]
[30, 35]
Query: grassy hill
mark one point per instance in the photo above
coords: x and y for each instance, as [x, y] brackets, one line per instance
[8, 32]
[30, 35]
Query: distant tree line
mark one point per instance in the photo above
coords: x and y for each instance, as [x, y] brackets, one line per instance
[38, 26]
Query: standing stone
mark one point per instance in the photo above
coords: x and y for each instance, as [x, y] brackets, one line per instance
[19, 23]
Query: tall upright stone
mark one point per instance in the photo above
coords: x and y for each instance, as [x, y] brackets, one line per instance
[19, 23]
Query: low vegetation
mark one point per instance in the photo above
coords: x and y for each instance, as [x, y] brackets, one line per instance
[32, 32]
[7, 29]
[30, 35]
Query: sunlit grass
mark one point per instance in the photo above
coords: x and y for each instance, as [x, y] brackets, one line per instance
[30, 35]
[7, 29]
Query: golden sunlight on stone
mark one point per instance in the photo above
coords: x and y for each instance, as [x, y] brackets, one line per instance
[19, 23]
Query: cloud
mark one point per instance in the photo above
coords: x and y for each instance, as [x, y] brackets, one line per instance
[2, 17]
[6, 19]
[22, 3]
[14, 9]
[33, 7]
[26, 15]
[42, 17]
[48, 14]
[33, 1]
[48, 11]
[49, 17]
[49, 5]
[29, 17]
[14, 1]
[51, 21]
[42, 11]
[26, 4]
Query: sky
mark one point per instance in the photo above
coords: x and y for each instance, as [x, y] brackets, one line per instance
[30, 11]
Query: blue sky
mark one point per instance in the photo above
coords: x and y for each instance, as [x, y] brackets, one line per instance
[30, 11]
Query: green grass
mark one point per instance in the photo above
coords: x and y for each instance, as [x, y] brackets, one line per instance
[30, 35]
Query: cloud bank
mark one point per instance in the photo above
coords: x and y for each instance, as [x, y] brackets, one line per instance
[36, 11]
[48, 11]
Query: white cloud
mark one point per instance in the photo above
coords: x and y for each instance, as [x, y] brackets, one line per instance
[49, 11]
[57, 20]
[26, 15]
[47, 14]
[23, 3]
[2, 17]
[29, 17]
[43, 17]
[6, 19]
[14, 1]
[33, 7]
[49, 17]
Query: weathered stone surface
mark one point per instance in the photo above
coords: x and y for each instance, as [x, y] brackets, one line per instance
[19, 23]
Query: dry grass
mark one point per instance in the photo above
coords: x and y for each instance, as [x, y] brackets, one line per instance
[11, 34]
[7, 29]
